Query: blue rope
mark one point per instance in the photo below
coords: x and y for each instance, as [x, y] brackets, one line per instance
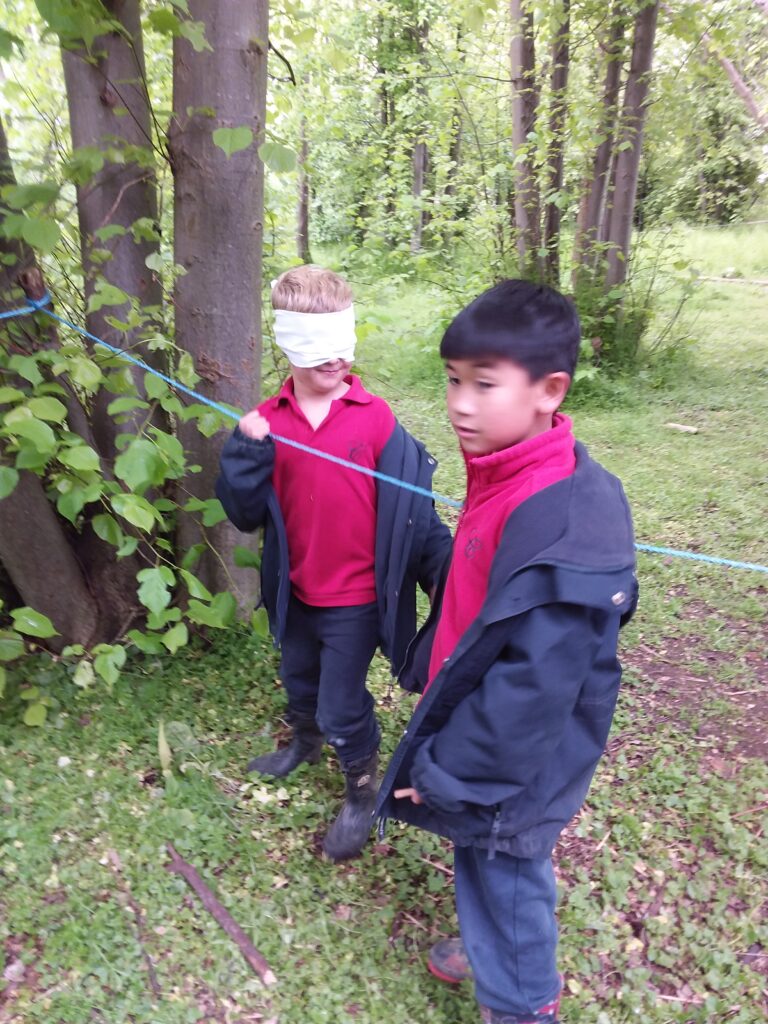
[701, 558]
[37, 305]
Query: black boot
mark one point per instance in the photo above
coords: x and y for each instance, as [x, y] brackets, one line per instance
[306, 745]
[347, 835]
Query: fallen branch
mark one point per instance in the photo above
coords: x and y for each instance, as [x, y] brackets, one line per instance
[252, 956]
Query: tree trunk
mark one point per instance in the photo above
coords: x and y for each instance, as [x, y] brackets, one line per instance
[524, 108]
[109, 109]
[630, 141]
[419, 161]
[218, 218]
[560, 67]
[37, 549]
[594, 196]
[740, 87]
[36, 554]
[302, 216]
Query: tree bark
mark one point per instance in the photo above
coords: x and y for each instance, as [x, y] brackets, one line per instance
[740, 87]
[629, 145]
[218, 218]
[525, 101]
[39, 552]
[36, 554]
[558, 110]
[593, 203]
[108, 109]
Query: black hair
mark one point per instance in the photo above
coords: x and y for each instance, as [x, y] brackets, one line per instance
[530, 324]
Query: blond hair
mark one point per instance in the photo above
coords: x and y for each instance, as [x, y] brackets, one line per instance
[311, 289]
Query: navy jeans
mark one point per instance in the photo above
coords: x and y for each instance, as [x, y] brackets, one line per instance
[325, 657]
[506, 911]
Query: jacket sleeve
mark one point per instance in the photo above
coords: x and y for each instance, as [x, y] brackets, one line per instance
[503, 732]
[245, 479]
[435, 552]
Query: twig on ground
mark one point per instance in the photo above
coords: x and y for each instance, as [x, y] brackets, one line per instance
[138, 915]
[222, 916]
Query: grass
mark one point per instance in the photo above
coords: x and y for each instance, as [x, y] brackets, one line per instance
[663, 875]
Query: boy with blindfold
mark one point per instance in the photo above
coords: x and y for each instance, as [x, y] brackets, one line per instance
[342, 553]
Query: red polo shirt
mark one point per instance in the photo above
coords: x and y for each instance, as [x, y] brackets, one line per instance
[330, 511]
[496, 485]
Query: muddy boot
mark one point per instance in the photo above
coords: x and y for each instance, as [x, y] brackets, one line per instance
[347, 835]
[448, 961]
[306, 745]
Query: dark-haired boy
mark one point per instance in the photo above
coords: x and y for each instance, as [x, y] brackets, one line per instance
[517, 661]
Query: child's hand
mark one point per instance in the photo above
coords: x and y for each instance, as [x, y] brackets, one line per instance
[254, 425]
[404, 794]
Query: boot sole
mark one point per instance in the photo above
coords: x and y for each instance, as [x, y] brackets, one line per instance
[449, 979]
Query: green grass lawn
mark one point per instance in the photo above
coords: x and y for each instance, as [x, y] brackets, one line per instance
[663, 875]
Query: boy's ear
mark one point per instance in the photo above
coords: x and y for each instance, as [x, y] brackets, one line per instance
[554, 389]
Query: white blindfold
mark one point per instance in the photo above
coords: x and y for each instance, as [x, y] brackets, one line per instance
[310, 339]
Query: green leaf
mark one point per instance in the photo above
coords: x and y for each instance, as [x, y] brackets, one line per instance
[21, 196]
[164, 21]
[7, 42]
[176, 637]
[31, 623]
[109, 659]
[107, 528]
[80, 457]
[195, 587]
[39, 434]
[260, 622]
[126, 404]
[84, 372]
[163, 750]
[219, 614]
[36, 714]
[214, 512]
[9, 477]
[29, 693]
[84, 676]
[194, 31]
[153, 591]
[11, 645]
[8, 394]
[106, 295]
[245, 559]
[278, 158]
[50, 409]
[154, 262]
[232, 140]
[136, 510]
[41, 233]
[185, 371]
[141, 465]
[147, 643]
[26, 367]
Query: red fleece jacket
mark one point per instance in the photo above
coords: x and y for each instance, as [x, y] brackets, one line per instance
[496, 485]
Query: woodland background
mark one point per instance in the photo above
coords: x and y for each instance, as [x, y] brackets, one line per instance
[159, 165]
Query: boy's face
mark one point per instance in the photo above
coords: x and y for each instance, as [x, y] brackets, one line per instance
[323, 379]
[493, 403]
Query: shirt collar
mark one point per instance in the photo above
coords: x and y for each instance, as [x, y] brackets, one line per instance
[356, 393]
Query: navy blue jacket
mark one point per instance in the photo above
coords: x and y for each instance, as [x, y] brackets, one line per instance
[411, 541]
[504, 744]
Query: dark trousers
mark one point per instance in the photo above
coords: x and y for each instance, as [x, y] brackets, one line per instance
[506, 911]
[325, 657]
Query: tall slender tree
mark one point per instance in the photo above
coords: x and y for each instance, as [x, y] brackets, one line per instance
[219, 96]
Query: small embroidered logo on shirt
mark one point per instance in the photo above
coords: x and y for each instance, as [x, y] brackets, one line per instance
[473, 545]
